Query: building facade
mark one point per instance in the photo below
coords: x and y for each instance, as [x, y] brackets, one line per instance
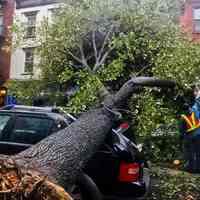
[190, 19]
[30, 14]
[6, 20]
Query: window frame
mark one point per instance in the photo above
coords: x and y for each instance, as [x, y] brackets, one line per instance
[2, 25]
[195, 20]
[7, 125]
[30, 25]
[20, 115]
[29, 61]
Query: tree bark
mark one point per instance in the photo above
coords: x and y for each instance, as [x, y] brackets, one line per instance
[131, 86]
[62, 155]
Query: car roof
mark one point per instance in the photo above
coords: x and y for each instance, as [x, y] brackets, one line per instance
[34, 111]
[31, 108]
[52, 112]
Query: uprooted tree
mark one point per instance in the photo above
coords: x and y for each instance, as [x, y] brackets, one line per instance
[42, 171]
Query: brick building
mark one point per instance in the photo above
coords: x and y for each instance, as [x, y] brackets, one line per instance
[6, 19]
[190, 19]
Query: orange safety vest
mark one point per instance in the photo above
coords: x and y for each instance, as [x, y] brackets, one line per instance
[191, 122]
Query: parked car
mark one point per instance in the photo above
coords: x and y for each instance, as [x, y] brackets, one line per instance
[117, 171]
[23, 126]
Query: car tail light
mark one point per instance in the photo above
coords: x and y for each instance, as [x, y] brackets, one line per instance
[122, 128]
[129, 172]
[124, 125]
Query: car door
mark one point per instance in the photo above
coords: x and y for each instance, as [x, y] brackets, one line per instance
[58, 125]
[6, 124]
[26, 131]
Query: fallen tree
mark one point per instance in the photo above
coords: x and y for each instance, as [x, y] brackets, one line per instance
[58, 159]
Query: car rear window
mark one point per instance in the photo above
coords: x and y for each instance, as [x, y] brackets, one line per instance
[30, 130]
[3, 121]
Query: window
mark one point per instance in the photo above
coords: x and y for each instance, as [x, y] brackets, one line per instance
[196, 20]
[3, 121]
[30, 24]
[29, 60]
[30, 130]
[2, 2]
[1, 25]
[182, 8]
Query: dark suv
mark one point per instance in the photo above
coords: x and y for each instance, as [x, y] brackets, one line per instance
[23, 126]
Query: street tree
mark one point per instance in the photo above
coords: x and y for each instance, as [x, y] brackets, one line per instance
[94, 46]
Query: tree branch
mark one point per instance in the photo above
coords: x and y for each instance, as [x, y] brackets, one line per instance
[75, 57]
[133, 85]
[101, 58]
[94, 45]
[84, 60]
[104, 42]
[142, 70]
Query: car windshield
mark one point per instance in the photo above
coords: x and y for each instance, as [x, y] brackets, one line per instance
[3, 121]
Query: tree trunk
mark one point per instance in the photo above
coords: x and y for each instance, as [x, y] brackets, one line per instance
[62, 155]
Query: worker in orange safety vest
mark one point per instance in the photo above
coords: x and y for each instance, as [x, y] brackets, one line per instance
[190, 133]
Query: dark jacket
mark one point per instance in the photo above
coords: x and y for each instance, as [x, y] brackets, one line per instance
[196, 108]
[183, 127]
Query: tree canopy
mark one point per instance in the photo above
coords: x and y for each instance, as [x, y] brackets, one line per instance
[99, 44]
[92, 47]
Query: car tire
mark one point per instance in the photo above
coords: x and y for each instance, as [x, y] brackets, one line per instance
[86, 189]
